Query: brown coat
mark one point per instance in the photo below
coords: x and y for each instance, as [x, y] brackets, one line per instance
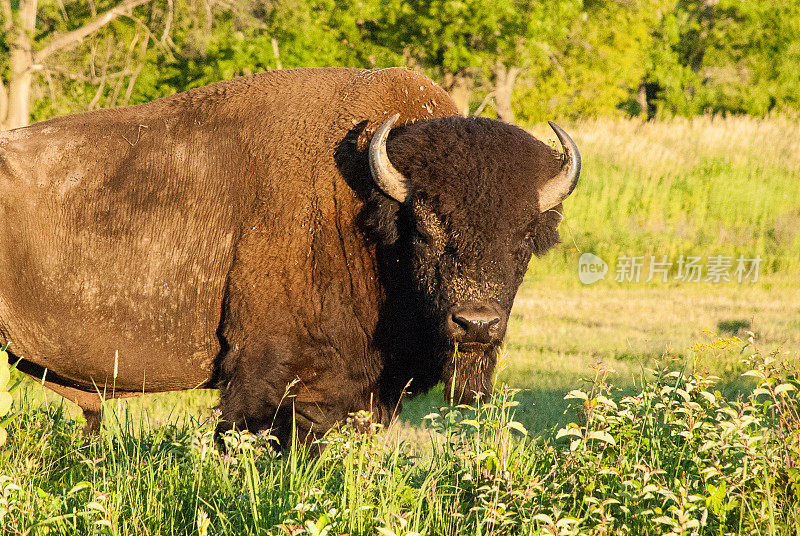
[123, 230]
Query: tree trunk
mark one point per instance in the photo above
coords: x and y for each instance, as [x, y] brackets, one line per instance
[21, 66]
[19, 90]
[459, 86]
[642, 98]
[8, 25]
[23, 61]
[505, 78]
[3, 105]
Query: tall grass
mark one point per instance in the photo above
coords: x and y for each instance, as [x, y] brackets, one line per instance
[701, 186]
[675, 457]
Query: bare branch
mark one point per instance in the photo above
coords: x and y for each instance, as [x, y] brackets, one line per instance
[63, 10]
[209, 15]
[131, 48]
[26, 17]
[131, 83]
[103, 71]
[66, 73]
[135, 75]
[87, 29]
[149, 36]
[71, 75]
[489, 96]
[92, 61]
[50, 86]
[97, 94]
[112, 100]
[168, 23]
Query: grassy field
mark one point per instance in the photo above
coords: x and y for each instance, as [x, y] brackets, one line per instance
[701, 187]
[557, 334]
[691, 186]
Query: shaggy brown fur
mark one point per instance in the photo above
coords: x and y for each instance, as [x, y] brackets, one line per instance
[231, 236]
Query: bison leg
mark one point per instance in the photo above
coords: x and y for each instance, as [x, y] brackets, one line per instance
[256, 397]
[94, 420]
[265, 365]
[90, 403]
[246, 410]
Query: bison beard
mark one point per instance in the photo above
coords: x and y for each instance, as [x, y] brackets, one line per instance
[268, 237]
[467, 375]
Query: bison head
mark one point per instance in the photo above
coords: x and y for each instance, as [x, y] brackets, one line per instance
[462, 204]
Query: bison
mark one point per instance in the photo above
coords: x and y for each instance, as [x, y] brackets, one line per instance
[310, 242]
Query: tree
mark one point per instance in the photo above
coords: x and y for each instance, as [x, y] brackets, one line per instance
[461, 44]
[526, 60]
[267, 35]
[534, 32]
[482, 47]
[727, 56]
[30, 49]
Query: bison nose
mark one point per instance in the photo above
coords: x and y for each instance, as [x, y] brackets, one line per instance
[482, 324]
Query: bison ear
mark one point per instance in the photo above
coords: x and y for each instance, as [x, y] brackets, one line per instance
[385, 175]
[545, 233]
[378, 219]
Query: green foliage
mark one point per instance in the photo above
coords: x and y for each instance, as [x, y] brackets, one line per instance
[674, 457]
[5, 395]
[592, 69]
[290, 34]
[449, 36]
[727, 56]
[577, 58]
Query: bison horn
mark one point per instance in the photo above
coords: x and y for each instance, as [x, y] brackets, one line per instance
[385, 175]
[559, 187]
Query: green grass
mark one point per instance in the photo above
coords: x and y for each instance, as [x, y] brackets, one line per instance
[698, 186]
[674, 457]
[688, 187]
[558, 332]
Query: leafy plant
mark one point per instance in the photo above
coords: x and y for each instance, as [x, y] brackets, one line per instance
[5, 395]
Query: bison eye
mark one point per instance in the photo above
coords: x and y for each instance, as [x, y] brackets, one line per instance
[530, 232]
[421, 234]
[528, 239]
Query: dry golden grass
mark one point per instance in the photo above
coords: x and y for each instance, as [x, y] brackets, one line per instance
[559, 332]
[656, 147]
[644, 322]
